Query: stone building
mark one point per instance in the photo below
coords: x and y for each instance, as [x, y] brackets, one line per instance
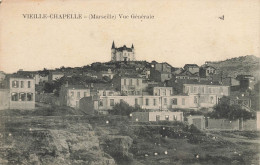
[122, 53]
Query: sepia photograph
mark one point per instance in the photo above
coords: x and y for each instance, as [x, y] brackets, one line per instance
[134, 82]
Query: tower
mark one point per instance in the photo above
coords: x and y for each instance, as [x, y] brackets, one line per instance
[113, 52]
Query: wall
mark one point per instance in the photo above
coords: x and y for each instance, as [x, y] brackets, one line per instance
[249, 125]
[25, 89]
[140, 116]
[173, 116]
[197, 121]
[47, 98]
[223, 124]
[258, 120]
[5, 99]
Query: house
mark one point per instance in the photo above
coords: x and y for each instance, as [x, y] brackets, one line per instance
[206, 95]
[192, 68]
[207, 71]
[162, 91]
[230, 81]
[122, 53]
[130, 85]
[40, 78]
[18, 93]
[2, 76]
[107, 73]
[186, 74]
[246, 81]
[161, 72]
[155, 116]
[71, 94]
[55, 75]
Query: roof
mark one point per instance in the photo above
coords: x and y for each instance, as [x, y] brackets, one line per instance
[187, 73]
[191, 65]
[204, 83]
[76, 87]
[18, 76]
[124, 48]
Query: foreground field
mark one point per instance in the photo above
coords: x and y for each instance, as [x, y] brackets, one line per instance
[57, 135]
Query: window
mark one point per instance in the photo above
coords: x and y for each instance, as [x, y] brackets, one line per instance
[211, 99]
[164, 92]
[15, 84]
[131, 81]
[167, 117]
[85, 94]
[112, 102]
[195, 90]
[124, 81]
[146, 101]
[195, 99]
[137, 82]
[174, 117]
[154, 102]
[121, 100]
[174, 101]
[71, 94]
[78, 94]
[136, 101]
[157, 117]
[29, 96]
[14, 96]
[22, 96]
[183, 101]
[165, 101]
[209, 90]
[22, 84]
[29, 84]
[202, 89]
[101, 103]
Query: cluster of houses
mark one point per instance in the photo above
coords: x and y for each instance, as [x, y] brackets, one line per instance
[156, 87]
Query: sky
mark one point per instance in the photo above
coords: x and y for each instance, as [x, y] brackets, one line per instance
[182, 31]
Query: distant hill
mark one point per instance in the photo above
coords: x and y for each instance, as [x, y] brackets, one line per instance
[248, 65]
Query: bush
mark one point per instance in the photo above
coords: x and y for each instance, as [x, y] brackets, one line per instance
[124, 109]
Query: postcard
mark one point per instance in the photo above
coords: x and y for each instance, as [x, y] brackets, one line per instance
[129, 82]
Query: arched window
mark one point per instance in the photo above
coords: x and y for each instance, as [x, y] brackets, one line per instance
[14, 96]
[22, 96]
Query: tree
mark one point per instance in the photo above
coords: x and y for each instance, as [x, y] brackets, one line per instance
[124, 109]
[232, 112]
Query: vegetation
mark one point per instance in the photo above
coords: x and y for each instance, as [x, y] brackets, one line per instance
[124, 109]
[225, 110]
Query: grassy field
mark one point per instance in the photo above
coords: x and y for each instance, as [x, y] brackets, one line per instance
[59, 135]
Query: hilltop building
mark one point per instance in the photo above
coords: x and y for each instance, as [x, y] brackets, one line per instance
[122, 53]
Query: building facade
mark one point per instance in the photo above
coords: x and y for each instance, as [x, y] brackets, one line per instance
[122, 53]
[130, 85]
[161, 72]
[206, 95]
[19, 93]
[70, 95]
[156, 116]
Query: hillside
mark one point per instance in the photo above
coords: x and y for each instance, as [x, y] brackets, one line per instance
[240, 65]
